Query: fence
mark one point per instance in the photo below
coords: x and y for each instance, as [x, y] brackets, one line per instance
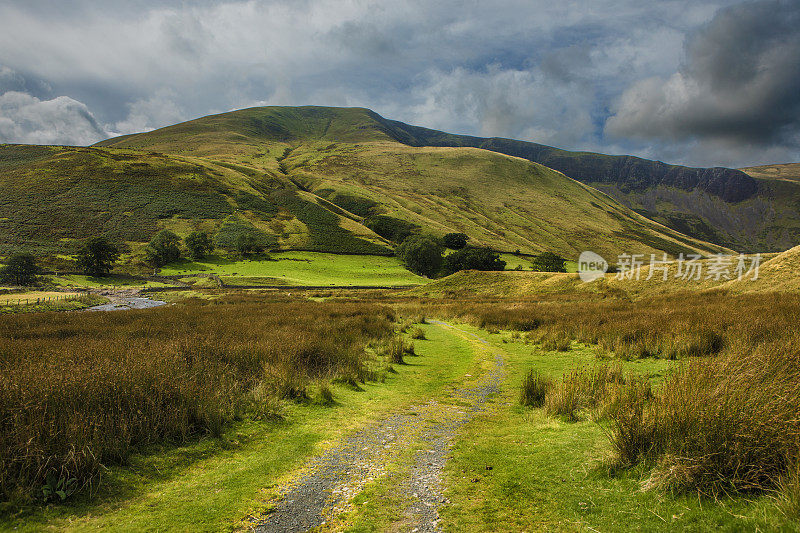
[7, 302]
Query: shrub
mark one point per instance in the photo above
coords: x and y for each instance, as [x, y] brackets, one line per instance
[548, 262]
[199, 245]
[581, 389]
[417, 333]
[534, 389]
[247, 244]
[325, 395]
[163, 249]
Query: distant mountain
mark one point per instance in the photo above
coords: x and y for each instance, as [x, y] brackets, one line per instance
[746, 209]
[328, 179]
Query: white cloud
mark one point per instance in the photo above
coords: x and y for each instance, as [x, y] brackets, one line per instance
[62, 120]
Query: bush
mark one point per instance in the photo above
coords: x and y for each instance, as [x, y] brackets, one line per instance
[395, 348]
[582, 389]
[421, 255]
[417, 333]
[721, 424]
[534, 389]
[472, 259]
[455, 241]
[20, 269]
[247, 244]
[97, 257]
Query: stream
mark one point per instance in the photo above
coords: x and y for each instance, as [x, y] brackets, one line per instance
[127, 302]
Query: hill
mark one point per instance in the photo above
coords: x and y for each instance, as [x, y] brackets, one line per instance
[358, 162]
[326, 179]
[52, 197]
[745, 211]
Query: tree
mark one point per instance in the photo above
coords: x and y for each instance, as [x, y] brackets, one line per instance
[421, 255]
[470, 258]
[20, 269]
[390, 228]
[247, 243]
[163, 249]
[455, 241]
[548, 262]
[199, 245]
[97, 257]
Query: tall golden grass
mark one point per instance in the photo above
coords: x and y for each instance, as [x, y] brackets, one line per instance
[723, 424]
[672, 327]
[85, 389]
[726, 419]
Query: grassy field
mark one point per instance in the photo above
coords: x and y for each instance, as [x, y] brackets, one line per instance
[305, 268]
[105, 282]
[552, 475]
[214, 483]
[43, 301]
[14, 298]
[518, 469]
[512, 468]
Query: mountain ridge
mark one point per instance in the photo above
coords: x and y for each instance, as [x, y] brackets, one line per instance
[724, 206]
[323, 179]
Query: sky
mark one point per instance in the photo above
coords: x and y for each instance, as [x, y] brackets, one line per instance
[703, 82]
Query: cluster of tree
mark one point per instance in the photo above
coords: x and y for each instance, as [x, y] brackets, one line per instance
[424, 255]
[20, 269]
[165, 247]
[97, 257]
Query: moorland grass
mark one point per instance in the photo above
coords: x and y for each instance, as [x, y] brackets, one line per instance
[78, 391]
[724, 421]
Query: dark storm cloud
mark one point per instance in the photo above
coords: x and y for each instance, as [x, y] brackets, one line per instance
[739, 84]
[531, 69]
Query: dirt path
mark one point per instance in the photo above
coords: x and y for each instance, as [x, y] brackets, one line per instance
[328, 483]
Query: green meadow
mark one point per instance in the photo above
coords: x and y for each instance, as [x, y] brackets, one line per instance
[304, 268]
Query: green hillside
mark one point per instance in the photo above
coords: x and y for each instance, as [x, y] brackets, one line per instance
[52, 197]
[749, 211]
[310, 178]
[351, 161]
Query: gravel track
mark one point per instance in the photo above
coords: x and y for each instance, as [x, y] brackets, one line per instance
[326, 485]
